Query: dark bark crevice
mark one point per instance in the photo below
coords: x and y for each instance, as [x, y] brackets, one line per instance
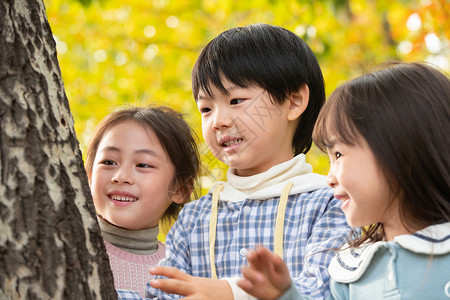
[50, 245]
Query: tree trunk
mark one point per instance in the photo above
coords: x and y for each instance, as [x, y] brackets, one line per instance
[50, 243]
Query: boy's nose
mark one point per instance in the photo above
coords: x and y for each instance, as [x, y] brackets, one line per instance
[221, 120]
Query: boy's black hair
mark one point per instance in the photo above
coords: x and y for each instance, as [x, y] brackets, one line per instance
[270, 57]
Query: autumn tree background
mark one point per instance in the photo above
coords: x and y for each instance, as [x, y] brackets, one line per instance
[113, 53]
[116, 52]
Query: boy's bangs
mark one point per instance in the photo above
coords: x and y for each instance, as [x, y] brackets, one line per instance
[205, 74]
[334, 123]
[221, 59]
[210, 72]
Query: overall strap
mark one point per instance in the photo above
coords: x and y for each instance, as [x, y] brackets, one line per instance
[279, 224]
[212, 228]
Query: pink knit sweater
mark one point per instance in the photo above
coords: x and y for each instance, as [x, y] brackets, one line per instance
[130, 270]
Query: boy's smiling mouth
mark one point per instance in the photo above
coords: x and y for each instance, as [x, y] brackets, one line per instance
[232, 142]
[229, 142]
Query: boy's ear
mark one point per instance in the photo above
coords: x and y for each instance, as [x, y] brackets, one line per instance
[298, 102]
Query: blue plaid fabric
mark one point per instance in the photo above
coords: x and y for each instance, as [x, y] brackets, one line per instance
[128, 295]
[314, 224]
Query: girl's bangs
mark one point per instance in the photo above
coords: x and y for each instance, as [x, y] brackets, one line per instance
[335, 123]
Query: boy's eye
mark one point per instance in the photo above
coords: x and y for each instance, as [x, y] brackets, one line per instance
[205, 110]
[236, 101]
[108, 162]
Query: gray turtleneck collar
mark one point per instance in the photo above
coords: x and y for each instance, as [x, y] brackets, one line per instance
[142, 242]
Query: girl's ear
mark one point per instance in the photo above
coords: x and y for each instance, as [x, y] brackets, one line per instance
[89, 177]
[180, 195]
[298, 102]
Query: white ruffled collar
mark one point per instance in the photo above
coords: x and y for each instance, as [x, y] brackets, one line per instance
[270, 183]
[350, 264]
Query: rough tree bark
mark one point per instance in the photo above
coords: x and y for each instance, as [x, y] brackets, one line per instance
[50, 245]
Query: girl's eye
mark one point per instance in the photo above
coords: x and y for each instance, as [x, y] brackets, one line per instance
[236, 101]
[337, 155]
[142, 165]
[108, 162]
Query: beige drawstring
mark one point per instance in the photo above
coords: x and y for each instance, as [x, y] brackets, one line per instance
[279, 224]
[212, 228]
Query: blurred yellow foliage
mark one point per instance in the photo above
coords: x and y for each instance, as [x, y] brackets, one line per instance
[114, 53]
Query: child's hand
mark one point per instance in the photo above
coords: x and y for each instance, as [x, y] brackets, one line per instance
[189, 286]
[267, 276]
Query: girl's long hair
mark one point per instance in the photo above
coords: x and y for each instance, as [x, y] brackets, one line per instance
[403, 112]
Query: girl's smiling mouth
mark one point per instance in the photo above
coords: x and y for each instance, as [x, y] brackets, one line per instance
[122, 197]
[344, 199]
